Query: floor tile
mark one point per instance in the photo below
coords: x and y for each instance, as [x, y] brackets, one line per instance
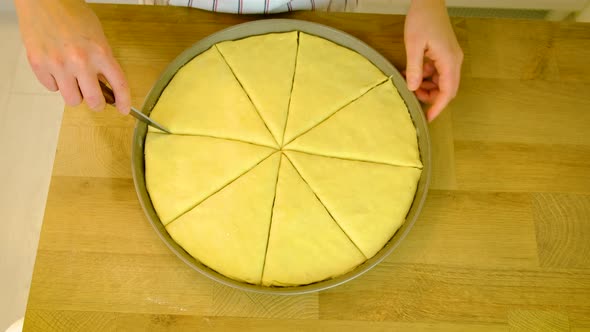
[11, 45]
[25, 80]
[29, 126]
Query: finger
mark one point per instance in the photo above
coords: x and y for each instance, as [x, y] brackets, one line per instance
[42, 71]
[435, 78]
[440, 101]
[448, 80]
[68, 86]
[447, 77]
[428, 85]
[116, 79]
[428, 69]
[91, 91]
[437, 107]
[423, 96]
[46, 79]
[415, 56]
[447, 90]
[426, 96]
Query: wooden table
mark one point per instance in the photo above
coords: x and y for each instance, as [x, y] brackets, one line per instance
[503, 241]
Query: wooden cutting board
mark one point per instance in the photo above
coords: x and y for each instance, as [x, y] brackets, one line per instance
[503, 241]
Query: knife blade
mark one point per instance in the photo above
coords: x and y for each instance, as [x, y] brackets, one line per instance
[109, 97]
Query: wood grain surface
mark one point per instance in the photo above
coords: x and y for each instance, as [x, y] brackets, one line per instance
[503, 242]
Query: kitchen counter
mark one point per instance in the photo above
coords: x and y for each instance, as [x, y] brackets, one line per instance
[503, 241]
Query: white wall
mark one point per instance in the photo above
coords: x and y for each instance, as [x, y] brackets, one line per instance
[6, 5]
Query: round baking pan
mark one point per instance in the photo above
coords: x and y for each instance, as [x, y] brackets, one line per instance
[264, 27]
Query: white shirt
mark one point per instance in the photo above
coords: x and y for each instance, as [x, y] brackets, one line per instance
[253, 6]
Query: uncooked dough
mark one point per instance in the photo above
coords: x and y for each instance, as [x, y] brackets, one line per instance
[181, 171]
[232, 224]
[305, 243]
[369, 201]
[204, 98]
[264, 65]
[376, 127]
[327, 77]
[275, 208]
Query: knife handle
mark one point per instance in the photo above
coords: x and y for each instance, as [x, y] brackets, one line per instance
[107, 92]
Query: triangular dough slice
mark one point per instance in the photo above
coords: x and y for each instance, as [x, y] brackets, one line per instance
[305, 244]
[264, 65]
[327, 77]
[369, 201]
[181, 171]
[376, 127]
[228, 231]
[204, 98]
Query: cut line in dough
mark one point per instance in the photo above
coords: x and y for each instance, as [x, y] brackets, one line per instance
[305, 245]
[328, 76]
[194, 103]
[369, 201]
[181, 171]
[264, 66]
[230, 238]
[376, 127]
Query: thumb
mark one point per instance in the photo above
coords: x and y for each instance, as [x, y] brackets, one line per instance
[415, 57]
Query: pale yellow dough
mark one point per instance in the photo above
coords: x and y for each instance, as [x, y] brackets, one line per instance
[305, 245]
[327, 77]
[181, 171]
[369, 201]
[264, 65]
[204, 98]
[242, 203]
[376, 127]
[229, 230]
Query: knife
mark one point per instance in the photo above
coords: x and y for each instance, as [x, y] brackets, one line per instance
[109, 97]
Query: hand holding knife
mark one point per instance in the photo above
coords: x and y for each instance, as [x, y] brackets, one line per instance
[109, 97]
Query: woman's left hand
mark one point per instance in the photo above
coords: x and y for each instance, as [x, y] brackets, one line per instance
[434, 57]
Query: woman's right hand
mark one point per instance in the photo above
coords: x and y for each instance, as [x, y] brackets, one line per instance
[69, 52]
